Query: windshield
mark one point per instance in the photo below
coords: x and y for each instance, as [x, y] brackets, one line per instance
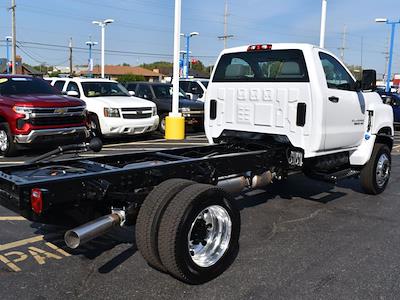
[165, 91]
[25, 86]
[205, 83]
[100, 89]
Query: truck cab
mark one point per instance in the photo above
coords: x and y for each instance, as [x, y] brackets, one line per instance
[296, 92]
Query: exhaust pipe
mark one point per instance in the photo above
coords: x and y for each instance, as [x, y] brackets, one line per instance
[235, 185]
[84, 233]
[262, 180]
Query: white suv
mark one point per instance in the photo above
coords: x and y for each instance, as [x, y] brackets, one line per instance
[195, 88]
[113, 111]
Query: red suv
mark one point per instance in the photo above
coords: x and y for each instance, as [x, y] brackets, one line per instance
[32, 112]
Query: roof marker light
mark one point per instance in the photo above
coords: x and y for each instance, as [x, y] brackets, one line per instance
[259, 47]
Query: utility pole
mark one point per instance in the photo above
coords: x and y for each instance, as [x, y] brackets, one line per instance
[386, 56]
[70, 58]
[362, 52]
[14, 38]
[226, 36]
[343, 43]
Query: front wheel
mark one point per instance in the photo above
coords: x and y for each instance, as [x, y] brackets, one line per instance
[199, 233]
[161, 125]
[95, 126]
[376, 173]
[7, 145]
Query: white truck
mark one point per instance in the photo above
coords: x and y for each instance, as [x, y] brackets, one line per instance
[303, 96]
[270, 109]
[113, 111]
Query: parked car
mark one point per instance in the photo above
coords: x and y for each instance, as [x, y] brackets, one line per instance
[112, 109]
[392, 99]
[161, 95]
[34, 113]
[195, 88]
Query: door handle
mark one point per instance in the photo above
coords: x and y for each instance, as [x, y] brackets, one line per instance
[334, 99]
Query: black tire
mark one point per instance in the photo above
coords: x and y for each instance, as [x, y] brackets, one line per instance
[176, 224]
[161, 125]
[7, 145]
[369, 174]
[95, 126]
[149, 218]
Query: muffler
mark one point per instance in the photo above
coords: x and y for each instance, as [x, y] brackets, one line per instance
[86, 232]
[235, 185]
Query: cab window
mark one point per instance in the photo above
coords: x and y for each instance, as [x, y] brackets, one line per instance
[59, 84]
[73, 86]
[262, 66]
[144, 91]
[184, 85]
[336, 75]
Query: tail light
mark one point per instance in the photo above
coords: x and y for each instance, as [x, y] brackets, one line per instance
[37, 201]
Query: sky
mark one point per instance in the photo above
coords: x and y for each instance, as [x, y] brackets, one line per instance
[143, 29]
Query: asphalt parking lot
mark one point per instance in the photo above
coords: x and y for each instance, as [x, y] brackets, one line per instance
[302, 239]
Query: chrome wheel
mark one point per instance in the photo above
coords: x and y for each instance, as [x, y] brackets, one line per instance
[382, 170]
[209, 236]
[3, 141]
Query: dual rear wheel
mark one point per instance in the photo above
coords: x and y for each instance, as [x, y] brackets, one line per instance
[189, 230]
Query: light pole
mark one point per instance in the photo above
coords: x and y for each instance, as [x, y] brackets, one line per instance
[393, 25]
[175, 122]
[90, 61]
[8, 40]
[323, 24]
[103, 25]
[187, 66]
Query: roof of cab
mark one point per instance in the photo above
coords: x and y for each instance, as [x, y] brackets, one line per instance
[275, 46]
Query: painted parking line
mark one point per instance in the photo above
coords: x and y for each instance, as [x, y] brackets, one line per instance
[13, 258]
[20, 243]
[12, 218]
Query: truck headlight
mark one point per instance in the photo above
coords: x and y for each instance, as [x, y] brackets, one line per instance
[111, 112]
[154, 111]
[22, 110]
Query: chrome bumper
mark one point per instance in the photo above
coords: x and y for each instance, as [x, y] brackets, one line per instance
[58, 132]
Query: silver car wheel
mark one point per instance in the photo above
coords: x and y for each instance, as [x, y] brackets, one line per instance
[382, 170]
[209, 236]
[3, 141]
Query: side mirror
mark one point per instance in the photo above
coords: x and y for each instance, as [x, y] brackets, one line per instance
[73, 94]
[369, 80]
[132, 93]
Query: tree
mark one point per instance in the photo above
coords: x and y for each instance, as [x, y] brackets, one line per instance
[157, 65]
[130, 78]
[356, 71]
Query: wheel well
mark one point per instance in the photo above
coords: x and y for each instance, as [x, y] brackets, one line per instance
[2, 119]
[384, 136]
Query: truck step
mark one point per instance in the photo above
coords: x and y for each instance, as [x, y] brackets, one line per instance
[336, 176]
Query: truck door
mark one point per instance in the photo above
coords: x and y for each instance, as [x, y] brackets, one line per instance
[344, 107]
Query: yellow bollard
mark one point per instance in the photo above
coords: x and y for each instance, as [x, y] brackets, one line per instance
[174, 128]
